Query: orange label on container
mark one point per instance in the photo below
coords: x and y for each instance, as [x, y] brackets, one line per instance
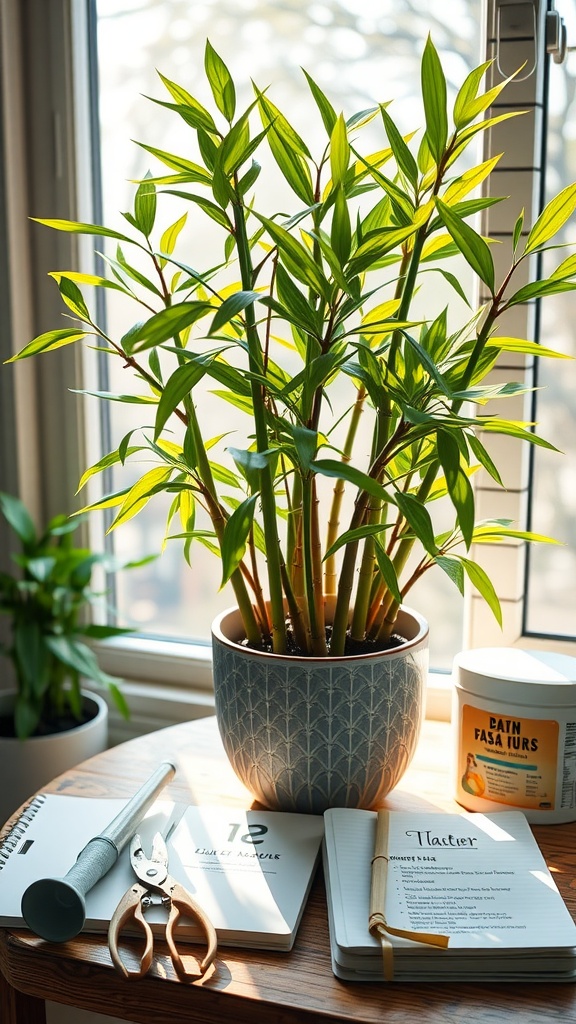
[508, 760]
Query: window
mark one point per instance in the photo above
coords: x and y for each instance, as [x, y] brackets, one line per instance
[348, 45]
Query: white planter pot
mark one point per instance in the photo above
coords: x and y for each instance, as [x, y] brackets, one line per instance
[305, 734]
[27, 765]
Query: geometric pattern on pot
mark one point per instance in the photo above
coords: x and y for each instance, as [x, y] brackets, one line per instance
[305, 734]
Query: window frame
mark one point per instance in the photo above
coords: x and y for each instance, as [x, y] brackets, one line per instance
[48, 171]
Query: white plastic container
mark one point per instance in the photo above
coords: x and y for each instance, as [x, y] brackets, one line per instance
[514, 721]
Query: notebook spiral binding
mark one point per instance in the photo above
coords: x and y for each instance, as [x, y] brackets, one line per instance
[11, 840]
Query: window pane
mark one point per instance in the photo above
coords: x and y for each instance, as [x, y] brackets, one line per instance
[359, 54]
[551, 607]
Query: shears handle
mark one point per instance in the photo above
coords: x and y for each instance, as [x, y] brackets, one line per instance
[183, 905]
[130, 910]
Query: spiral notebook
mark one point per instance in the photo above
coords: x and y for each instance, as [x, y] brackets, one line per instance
[251, 871]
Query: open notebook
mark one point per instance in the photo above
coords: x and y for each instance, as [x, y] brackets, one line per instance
[480, 880]
[250, 871]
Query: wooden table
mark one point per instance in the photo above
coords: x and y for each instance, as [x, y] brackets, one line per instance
[257, 987]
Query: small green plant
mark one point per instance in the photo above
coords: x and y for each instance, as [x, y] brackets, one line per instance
[45, 600]
[302, 306]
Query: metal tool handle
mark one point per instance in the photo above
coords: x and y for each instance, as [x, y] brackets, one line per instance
[55, 908]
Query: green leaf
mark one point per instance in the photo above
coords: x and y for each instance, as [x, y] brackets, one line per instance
[453, 568]
[250, 464]
[344, 471]
[293, 167]
[145, 207]
[297, 259]
[74, 227]
[538, 290]
[481, 582]
[341, 232]
[213, 211]
[16, 513]
[78, 657]
[237, 147]
[552, 218]
[221, 82]
[236, 533]
[170, 236]
[472, 246]
[327, 112]
[457, 483]
[189, 108]
[230, 308]
[377, 245]
[484, 458]
[530, 348]
[339, 151]
[404, 158]
[181, 383]
[466, 104]
[139, 495]
[48, 342]
[418, 518]
[73, 298]
[167, 323]
[188, 170]
[434, 98]
[306, 443]
[387, 571]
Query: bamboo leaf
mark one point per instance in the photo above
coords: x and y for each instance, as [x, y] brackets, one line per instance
[78, 228]
[145, 207]
[170, 236]
[552, 218]
[434, 98]
[190, 171]
[453, 569]
[48, 342]
[418, 519]
[139, 495]
[73, 298]
[481, 582]
[189, 108]
[168, 323]
[236, 533]
[221, 82]
[457, 482]
[230, 308]
[404, 158]
[327, 112]
[339, 151]
[538, 290]
[297, 259]
[387, 571]
[181, 383]
[471, 245]
[341, 231]
[522, 345]
[344, 471]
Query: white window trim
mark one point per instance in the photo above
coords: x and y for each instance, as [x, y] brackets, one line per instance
[38, 42]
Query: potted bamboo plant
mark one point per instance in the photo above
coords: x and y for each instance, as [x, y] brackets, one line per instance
[48, 720]
[306, 325]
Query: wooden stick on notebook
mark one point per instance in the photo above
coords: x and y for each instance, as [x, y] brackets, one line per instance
[377, 921]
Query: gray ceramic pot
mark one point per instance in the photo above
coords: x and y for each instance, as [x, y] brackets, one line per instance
[305, 734]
